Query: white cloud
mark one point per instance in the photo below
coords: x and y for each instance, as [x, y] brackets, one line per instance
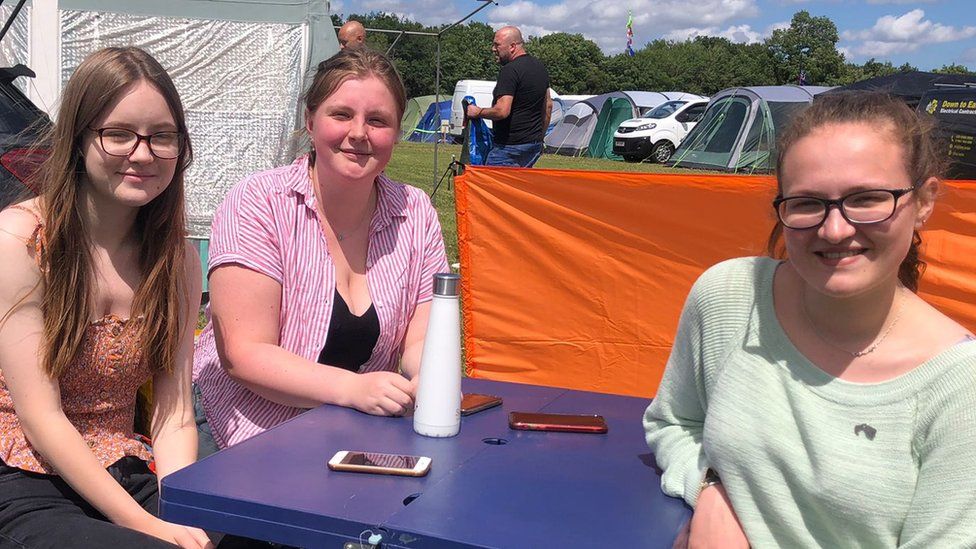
[428, 12]
[736, 33]
[743, 34]
[905, 33]
[533, 30]
[605, 22]
[775, 26]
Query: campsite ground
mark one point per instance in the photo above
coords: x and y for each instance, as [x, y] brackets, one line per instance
[413, 163]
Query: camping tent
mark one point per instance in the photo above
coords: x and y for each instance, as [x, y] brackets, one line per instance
[573, 134]
[239, 66]
[910, 86]
[955, 114]
[559, 108]
[429, 127]
[738, 130]
[415, 110]
[614, 111]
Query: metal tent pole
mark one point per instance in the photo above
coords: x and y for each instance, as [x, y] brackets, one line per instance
[437, 104]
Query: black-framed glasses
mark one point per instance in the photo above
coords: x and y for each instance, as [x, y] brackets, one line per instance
[860, 208]
[123, 142]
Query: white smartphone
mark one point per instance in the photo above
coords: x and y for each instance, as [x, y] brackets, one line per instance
[381, 464]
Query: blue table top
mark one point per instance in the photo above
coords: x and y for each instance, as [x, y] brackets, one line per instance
[537, 489]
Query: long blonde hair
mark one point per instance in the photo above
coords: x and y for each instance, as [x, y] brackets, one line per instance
[66, 262]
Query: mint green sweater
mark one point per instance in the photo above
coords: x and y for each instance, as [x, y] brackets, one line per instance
[809, 460]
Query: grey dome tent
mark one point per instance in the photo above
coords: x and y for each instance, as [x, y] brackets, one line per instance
[571, 136]
[738, 130]
[559, 108]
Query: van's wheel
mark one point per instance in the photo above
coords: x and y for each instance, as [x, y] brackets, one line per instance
[662, 151]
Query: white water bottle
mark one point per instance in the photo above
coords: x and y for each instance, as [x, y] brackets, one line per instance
[437, 409]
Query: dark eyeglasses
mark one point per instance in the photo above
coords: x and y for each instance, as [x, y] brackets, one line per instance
[123, 142]
[860, 208]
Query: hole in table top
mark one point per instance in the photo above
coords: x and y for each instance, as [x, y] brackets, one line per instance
[495, 441]
[409, 499]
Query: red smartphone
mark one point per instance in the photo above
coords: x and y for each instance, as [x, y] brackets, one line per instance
[569, 423]
[473, 402]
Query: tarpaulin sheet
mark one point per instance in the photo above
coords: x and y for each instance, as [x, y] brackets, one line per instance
[14, 46]
[239, 82]
[576, 279]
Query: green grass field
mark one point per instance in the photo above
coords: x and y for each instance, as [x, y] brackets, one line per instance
[413, 163]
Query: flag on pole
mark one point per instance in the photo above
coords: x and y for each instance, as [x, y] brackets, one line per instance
[630, 34]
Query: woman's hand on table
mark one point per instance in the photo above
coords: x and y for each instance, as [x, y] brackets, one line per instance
[714, 523]
[382, 393]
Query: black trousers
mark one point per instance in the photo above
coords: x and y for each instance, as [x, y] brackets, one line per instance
[39, 511]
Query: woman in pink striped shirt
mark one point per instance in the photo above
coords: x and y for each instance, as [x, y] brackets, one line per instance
[321, 271]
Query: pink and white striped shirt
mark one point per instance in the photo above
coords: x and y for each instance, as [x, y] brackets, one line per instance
[268, 223]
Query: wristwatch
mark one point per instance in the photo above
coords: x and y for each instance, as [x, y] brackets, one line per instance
[710, 479]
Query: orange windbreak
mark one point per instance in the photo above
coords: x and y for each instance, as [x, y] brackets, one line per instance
[576, 279]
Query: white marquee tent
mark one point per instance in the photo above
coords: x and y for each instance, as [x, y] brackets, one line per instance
[240, 66]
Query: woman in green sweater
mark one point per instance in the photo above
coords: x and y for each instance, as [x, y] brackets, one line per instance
[818, 401]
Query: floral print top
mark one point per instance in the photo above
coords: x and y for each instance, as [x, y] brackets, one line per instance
[98, 394]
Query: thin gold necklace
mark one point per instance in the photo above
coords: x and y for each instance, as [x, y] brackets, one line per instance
[320, 210]
[856, 354]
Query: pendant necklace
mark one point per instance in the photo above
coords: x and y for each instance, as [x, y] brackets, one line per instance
[321, 212]
[856, 354]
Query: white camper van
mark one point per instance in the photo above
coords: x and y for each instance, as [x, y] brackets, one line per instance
[659, 132]
[481, 90]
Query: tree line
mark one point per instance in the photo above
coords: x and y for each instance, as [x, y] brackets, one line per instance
[576, 65]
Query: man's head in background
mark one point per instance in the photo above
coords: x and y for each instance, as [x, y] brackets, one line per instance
[352, 35]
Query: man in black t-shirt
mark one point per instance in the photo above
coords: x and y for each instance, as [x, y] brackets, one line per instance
[521, 106]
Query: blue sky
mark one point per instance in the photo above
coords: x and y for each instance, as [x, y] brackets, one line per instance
[927, 34]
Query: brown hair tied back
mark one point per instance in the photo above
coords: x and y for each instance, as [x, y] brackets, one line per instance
[353, 64]
[914, 133]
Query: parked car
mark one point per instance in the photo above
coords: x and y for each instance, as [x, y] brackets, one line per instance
[659, 132]
[21, 123]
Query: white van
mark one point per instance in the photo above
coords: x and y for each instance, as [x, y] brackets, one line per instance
[481, 90]
[659, 132]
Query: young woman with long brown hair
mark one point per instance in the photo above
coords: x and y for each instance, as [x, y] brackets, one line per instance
[99, 292]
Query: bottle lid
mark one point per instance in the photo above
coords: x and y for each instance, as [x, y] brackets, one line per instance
[446, 284]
